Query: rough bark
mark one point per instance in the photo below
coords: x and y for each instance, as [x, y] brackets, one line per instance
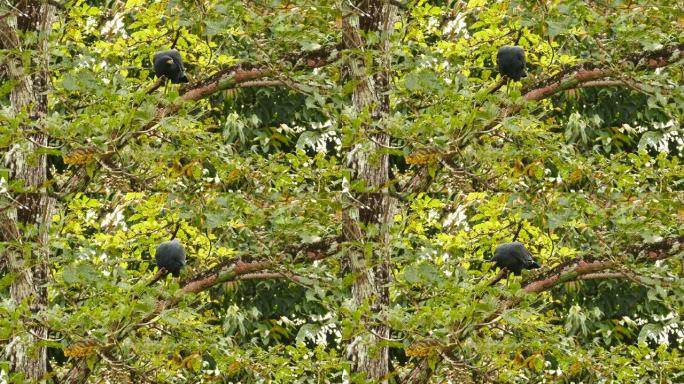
[370, 217]
[25, 224]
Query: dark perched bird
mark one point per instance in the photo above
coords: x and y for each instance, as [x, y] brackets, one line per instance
[170, 64]
[171, 256]
[511, 62]
[514, 257]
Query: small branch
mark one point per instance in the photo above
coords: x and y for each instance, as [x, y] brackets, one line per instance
[581, 76]
[384, 338]
[43, 338]
[602, 83]
[267, 276]
[502, 274]
[162, 272]
[603, 276]
[160, 81]
[488, 323]
[498, 85]
[262, 84]
[636, 279]
[614, 83]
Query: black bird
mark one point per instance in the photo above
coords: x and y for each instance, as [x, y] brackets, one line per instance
[511, 62]
[514, 257]
[170, 256]
[170, 65]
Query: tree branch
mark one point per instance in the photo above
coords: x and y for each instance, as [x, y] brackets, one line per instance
[262, 84]
[267, 276]
[569, 271]
[574, 269]
[603, 84]
[233, 77]
[586, 73]
[603, 276]
[231, 271]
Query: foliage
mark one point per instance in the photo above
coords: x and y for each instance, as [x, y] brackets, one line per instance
[257, 173]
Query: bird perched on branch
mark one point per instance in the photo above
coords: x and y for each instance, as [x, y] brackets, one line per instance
[170, 256]
[514, 257]
[511, 62]
[170, 65]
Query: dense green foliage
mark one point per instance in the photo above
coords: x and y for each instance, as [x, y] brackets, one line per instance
[258, 172]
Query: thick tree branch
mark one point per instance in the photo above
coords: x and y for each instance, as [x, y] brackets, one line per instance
[233, 77]
[230, 271]
[571, 78]
[575, 269]
[572, 270]
[239, 269]
[587, 72]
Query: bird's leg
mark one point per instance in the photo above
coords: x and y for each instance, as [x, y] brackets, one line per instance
[508, 279]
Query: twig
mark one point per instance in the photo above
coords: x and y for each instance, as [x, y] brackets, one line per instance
[29, 330]
[370, 329]
[262, 83]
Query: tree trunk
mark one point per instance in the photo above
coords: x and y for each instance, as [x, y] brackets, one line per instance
[24, 225]
[374, 208]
